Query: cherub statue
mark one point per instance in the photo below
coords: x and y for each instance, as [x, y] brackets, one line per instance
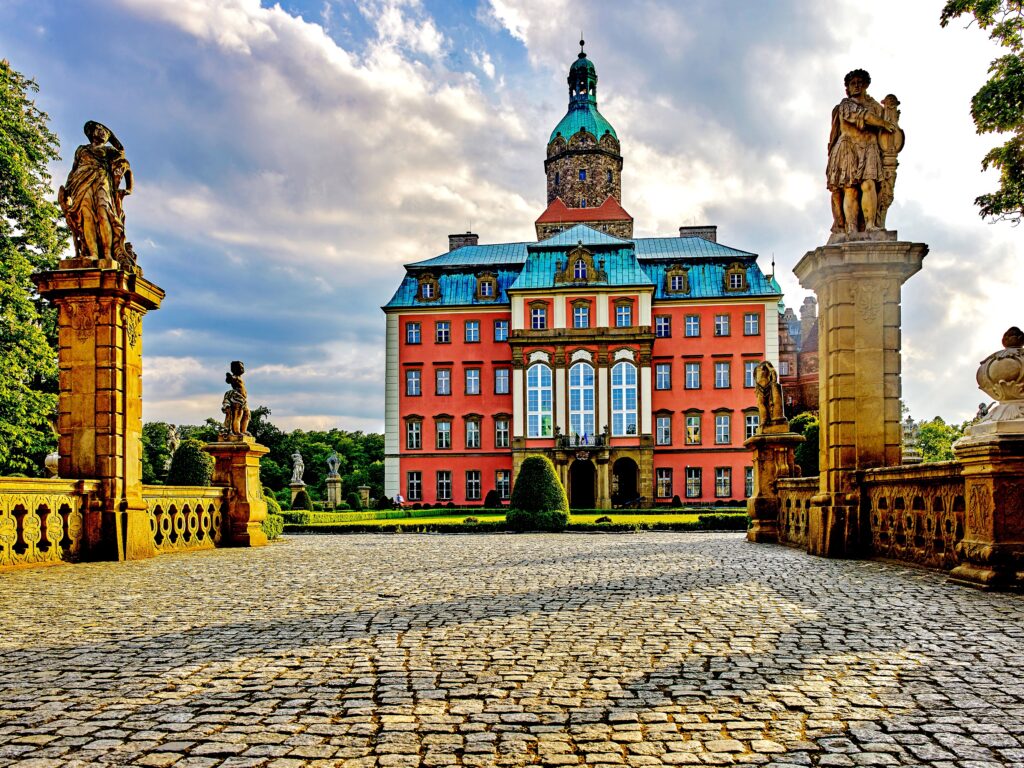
[769, 395]
[92, 198]
[236, 403]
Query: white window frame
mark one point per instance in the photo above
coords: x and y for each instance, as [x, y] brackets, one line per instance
[723, 374]
[472, 331]
[581, 312]
[503, 483]
[539, 318]
[691, 327]
[579, 269]
[501, 330]
[413, 435]
[413, 333]
[663, 376]
[474, 486]
[663, 482]
[502, 377]
[722, 326]
[663, 430]
[443, 484]
[502, 433]
[749, 369]
[443, 435]
[442, 332]
[751, 324]
[694, 482]
[472, 381]
[723, 429]
[582, 401]
[413, 382]
[442, 381]
[723, 482]
[751, 423]
[539, 401]
[691, 372]
[663, 327]
[624, 316]
[414, 485]
[472, 433]
[624, 392]
[693, 428]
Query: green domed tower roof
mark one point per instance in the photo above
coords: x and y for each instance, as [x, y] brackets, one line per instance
[582, 102]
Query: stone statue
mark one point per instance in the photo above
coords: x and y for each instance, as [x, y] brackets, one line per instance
[333, 462]
[173, 440]
[92, 198]
[983, 409]
[769, 395]
[1001, 377]
[236, 403]
[862, 149]
[298, 469]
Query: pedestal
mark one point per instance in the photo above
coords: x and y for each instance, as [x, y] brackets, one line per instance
[333, 491]
[100, 310]
[858, 289]
[992, 550]
[237, 467]
[295, 488]
[364, 496]
[773, 449]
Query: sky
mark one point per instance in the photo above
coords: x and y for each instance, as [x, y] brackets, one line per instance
[290, 158]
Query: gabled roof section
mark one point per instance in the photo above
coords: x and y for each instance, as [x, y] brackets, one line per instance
[619, 264]
[578, 234]
[558, 211]
[457, 289]
[648, 248]
[493, 255]
[707, 280]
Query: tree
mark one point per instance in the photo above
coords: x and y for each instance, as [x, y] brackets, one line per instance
[31, 238]
[155, 451]
[538, 500]
[998, 106]
[190, 465]
[806, 453]
[935, 439]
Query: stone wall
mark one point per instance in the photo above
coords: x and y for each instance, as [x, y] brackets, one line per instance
[623, 229]
[584, 152]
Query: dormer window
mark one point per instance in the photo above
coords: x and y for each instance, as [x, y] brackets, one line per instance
[429, 289]
[736, 277]
[677, 279]
[579, 269]
[486, 286]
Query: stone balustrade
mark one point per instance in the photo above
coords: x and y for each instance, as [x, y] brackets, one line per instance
[184, 518]
[795, 495]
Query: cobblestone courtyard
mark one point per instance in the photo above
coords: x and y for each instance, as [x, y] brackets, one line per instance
[654, 649]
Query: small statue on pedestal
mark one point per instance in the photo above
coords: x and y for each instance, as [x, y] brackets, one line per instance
[333, 462]
[769, 396]
[298, 469]
[236, 404]
[92, 198]
[173, 441]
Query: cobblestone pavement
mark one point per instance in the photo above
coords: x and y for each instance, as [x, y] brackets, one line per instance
[650, 649]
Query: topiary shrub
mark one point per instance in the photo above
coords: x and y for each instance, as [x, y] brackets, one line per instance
[538, 499]
[190, 465]
[470, 521]
[302, 501]
[273, 526]
[354, 501]
[493, 500]
[273, 508]
[676, 501]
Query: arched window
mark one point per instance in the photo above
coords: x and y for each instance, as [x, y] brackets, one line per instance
[579, 270]
[538, 401]
[581, 402]
[624, 399]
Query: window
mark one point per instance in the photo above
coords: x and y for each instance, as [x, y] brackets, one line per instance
[749, 368]
[487, 289]
[501, 381]
[412, 383]
[583, 202]
[663, 430]
[472, 331]
[721, 325]
[501, 433]
[722, 375]
[472, 433]
[442, 332]
[472, 485]
[486, 286]
[748, 482]
[609, 177]
[501, 330]
[583, 174]
[427, 290]
[693, 429]
[539, 318]
[723, 482]
[472, 381]
[736, 277]
[692, 375]
[692, 326]
[723, 429]
[751, 324]
[413, 435]
[623, 315]
[677, 283]
[414, 486]
[579, 270]
[624, 399]
[784, 368]
[444, 485]
[442, 381]
[581, 316]
[735, 281]
[503, 483]
[558, 177]
[663, 376]
[581, 401]
[412, 333]
[538, 401]
[664, 483]
[444, 433]
[663, 326]
[693, 482]
[751, 424]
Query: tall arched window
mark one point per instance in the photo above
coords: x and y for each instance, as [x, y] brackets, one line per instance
[581, 401]
[624, 399]
[538, 401]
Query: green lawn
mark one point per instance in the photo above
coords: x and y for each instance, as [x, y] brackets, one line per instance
[497, 517]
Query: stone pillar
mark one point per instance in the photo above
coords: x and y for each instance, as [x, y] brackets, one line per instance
[604, 483]
[237, 467]
[333, 491]
[364, 496]
[100, 308]
[858, 289]
[773, 450]
[295, 488]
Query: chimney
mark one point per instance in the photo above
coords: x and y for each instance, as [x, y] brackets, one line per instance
[708, 232]
[458, 241]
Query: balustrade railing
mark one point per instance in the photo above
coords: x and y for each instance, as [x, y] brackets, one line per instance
[795, 495]
[185, 518]
[41, 520]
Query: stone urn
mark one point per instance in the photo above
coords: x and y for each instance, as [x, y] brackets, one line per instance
[1001, 377]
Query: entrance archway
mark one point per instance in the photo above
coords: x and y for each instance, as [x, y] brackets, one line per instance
[626, 475]
[582, 484]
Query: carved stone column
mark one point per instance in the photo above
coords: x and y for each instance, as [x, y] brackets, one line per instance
[237, 467]
[334, 490]
[100, 309]
[858, 289]
[773, 449]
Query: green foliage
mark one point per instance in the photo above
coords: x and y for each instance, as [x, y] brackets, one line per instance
[998, 107]
[155, 452]
[538, 499]
[273, 507]
[191, 465]
[492, 500]
[273, 526]
[806, 454]
[935, 439]
[354, 501]
[302, 501]
[31, 238]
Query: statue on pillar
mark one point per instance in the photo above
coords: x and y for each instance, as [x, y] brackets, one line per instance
[236, 404]
[333, 462]
[768, 391]
[92, 198]
[298, 469]
[862, 148]
[173, 441]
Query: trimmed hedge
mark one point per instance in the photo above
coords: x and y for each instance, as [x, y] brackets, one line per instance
[190, 465]
[302, 501]
[538, 500]
[273, 526]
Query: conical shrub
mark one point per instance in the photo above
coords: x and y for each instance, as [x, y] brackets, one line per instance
[190, 465]
[538, 500]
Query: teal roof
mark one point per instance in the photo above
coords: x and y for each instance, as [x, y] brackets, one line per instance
[707, 280]
[477, 256]
[620, 264]
[685, 248]
[582, 115]
[458, 289]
